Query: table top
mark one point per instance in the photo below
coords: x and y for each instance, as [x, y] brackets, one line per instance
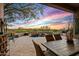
[62, 48]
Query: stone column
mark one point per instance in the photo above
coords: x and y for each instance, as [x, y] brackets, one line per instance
[76, 26]
[1, 18]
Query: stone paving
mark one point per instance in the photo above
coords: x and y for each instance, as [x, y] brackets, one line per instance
[23, 46]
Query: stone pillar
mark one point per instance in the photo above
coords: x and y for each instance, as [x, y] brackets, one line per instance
[76, 23]
[1, 18]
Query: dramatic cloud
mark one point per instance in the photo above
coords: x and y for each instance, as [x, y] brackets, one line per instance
[50, 16]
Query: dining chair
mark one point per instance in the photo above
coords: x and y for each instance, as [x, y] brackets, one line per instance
[49, 38]
[57, 37]
[38, 50]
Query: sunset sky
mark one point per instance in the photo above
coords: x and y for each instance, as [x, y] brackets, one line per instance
[52, 17]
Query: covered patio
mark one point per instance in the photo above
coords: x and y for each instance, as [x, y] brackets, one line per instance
[23, 45]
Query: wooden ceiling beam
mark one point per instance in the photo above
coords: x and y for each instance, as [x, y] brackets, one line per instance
[62, 6]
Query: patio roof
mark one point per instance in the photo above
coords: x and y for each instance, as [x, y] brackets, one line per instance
[65, 6]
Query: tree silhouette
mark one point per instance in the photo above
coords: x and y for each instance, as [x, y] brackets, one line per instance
[13, 11]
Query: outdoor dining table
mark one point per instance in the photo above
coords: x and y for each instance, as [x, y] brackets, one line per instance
[62, 48]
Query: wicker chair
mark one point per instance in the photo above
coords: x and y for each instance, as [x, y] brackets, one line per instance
[57, 37]
[39, 51]
[49, 38]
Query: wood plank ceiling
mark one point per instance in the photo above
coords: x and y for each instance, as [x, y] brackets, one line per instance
[65, 6]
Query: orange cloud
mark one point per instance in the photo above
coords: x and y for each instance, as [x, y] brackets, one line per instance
[58, 26]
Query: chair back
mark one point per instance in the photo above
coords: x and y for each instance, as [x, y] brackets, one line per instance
[49, 38]
[38, 50]
[57, 37]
